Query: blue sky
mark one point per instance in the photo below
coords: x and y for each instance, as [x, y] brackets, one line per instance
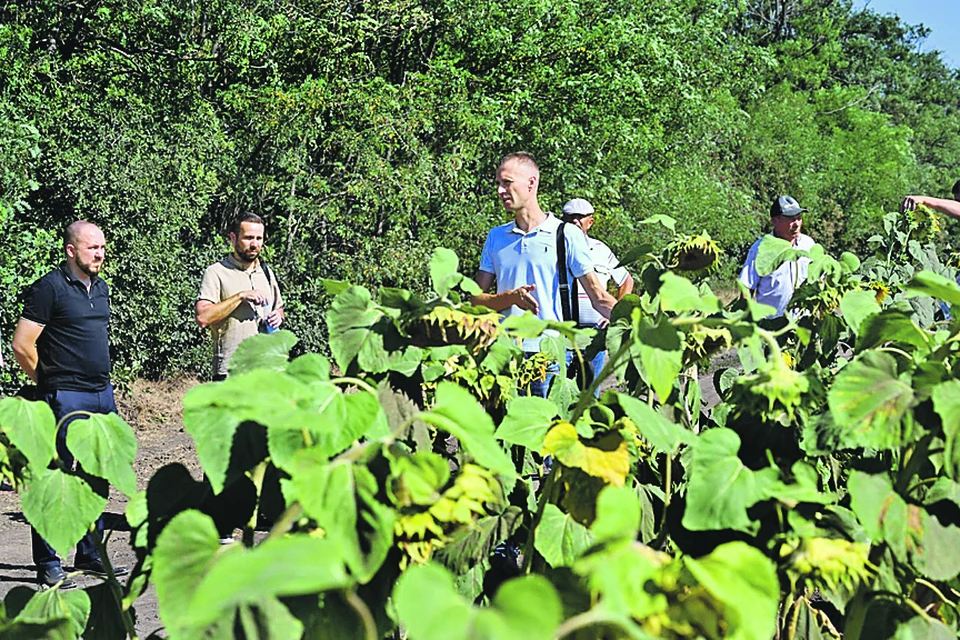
[941, 16]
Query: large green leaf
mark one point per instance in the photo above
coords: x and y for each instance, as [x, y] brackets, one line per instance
[559, 538]
[720, 488]
[618, 515]
[857, 306]
[212, 413]
[662, 434]
[341, 497]
[430, 608]
[868, 401]
[925, 628]
[936, 554]
[355, 331]
[444, 271]
[891, 325]
[31, 428]
[620, 574]
[106, 447]
[527, 421]
[294, 565]
[678, 294]
[61, 507]
[54, 604]
[330, 421]
[946, 402]
[881, 511]
[459, 414]
[186, 549]
[661, 353]
[744, 580]
[926, 283]
[771, 253]
[263, 351]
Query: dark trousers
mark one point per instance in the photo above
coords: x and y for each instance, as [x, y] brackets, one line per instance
[65, 402]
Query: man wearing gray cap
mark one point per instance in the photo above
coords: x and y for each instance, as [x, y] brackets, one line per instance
[776, 289]
[580, 213]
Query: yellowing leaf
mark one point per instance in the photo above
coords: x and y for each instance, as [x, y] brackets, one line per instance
[606, 458]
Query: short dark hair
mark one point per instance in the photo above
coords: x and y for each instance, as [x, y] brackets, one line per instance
[244, 217]
[956, 190]
[523, 157]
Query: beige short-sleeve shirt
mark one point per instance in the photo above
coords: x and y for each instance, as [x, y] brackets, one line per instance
[224, 279]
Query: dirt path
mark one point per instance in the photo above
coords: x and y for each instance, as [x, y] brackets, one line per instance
[154, 411]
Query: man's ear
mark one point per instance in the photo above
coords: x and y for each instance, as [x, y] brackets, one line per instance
[233, 237]
[70, 249]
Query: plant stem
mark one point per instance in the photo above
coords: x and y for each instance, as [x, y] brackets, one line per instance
[256, 475]
[592, 617]
[933, 587]
[286, 521]
[667, 490]
[587, 395]
[541, 506]
[356, 382]
[116, 589]
[369, 625]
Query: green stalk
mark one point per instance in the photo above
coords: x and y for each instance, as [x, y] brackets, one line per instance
[256, 475]
[357, 382]
[541, 507]
[116, 589]
[587, 395]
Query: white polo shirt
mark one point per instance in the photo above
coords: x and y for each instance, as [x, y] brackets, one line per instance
[516, 258]
[777, 288]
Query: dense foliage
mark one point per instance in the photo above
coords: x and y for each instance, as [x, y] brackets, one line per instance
[367, 133]
[419, 494]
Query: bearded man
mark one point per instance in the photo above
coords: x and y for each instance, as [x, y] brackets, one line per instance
[61, 343]
[239, 295]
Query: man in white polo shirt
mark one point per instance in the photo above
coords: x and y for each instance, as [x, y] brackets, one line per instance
[521, 256]
[776, 289]
[580, 213]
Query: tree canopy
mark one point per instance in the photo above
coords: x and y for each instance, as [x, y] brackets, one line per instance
[367, 133]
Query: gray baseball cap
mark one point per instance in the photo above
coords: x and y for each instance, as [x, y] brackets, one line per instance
[577, 207]
[785, 206]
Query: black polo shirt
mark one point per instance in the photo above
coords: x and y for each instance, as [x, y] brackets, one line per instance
[73, 346]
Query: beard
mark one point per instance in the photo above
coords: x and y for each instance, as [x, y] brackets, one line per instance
[247, 255]
[91, 268]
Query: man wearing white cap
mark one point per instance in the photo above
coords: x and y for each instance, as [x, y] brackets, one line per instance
[776, 289]
[581, 214]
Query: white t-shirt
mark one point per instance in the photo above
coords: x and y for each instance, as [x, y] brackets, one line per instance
[777, 288]
[605, 266]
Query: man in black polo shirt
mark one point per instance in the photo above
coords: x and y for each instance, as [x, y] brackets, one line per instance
[61, 343]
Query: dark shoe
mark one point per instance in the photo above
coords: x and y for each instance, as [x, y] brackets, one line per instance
[54, 576]
[96, 568]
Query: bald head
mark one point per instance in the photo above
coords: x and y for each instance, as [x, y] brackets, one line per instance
[86, 248]
[74, 230]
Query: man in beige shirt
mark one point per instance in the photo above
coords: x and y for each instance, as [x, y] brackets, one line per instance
[239, 296]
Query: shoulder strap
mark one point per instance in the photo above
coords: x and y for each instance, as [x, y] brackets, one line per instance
[569, 305]
[269, 275]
